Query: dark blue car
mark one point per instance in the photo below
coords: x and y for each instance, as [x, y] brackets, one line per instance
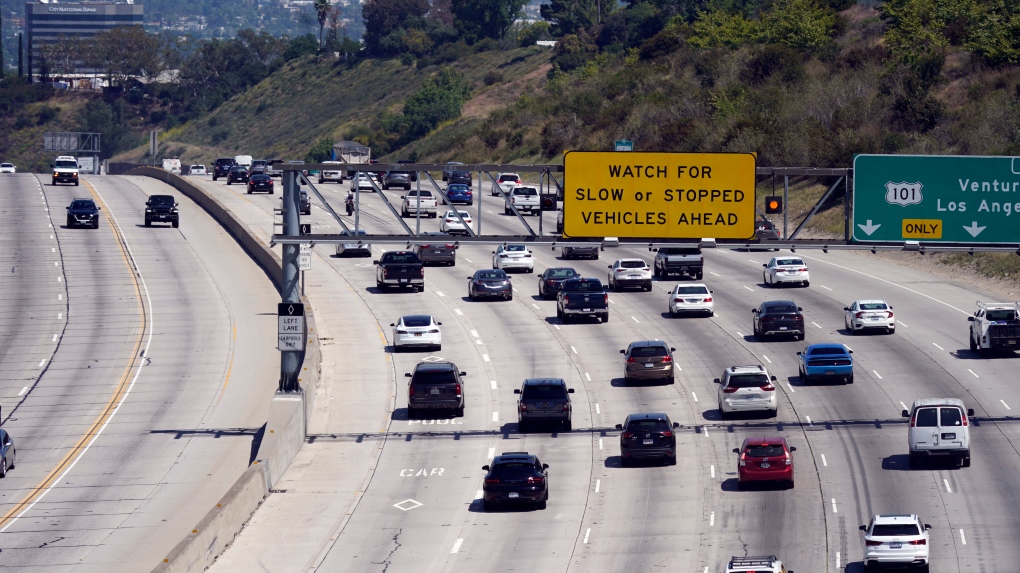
[460, 193]
[828, 361]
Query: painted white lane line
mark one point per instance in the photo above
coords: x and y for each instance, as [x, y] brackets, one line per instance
[459, 313]
[439, 293]
[611, 301]
[495, 416]
[740, 334]
[597, 410]
[704, 430]
[474, 333]
[877, 375]
[478, 341]
[948, 489]
[60, 279]
[1005, 404]
[753, 261]
[54, 338]
[901, 323]
[468, 260]
[53, 249]
[598, 484]
[972, 372]
[485, 357]
[60, 316]
[711, 471]
[587, 532]
[963, 538]
[825, 287]
[56, 264]
[60, 297]
[493, 384]
[492, 452]
[23, 391]
[711, 273]
[695, 396]
[711, 519]
[834, 510]
[41, 362]
[808, 418]
[600, 443]
[766, 359]
[534, 305]
[837, 560]
[479, 494]
[790, 386]
[824, 463]
[749, 288]
[456, 545]
[557, 326]
[635, 320]
[902, 404]
[574, 350]
[935, 345]
[816, 324]
[588, 376]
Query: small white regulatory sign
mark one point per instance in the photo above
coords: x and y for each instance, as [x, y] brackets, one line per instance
[291, 321]
[305, 261]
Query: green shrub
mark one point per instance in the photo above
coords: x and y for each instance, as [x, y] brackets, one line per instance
[493, 77]
[779, 60]
[321, 151]
[47, 113]
[721, 28]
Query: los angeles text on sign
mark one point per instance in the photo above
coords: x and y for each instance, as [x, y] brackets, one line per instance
[659, 195]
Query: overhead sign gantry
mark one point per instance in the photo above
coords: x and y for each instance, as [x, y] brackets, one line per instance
[659, 195]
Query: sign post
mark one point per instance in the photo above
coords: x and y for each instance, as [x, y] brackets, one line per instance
[659, 195]
[291, 322]
[927, 198]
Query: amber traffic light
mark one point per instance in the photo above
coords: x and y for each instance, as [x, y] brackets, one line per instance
[773, 204]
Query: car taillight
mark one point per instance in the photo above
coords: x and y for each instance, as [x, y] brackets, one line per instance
[527, 255]
[743, 462]
[458, 389]
[627, 435]
[449, 245]
[491, 481]
[859, 314]
[605, 298]
[913, 421]
[620, 270]
[667, 359]
[631, 360]
[919, 542]
[401, 332]
[503, 256]
[410, 390]
[479, 283]
[709, 299]
[385, 273]
[566, 406]
[678, 300]
[789, 459]
[434, 331]
[964, 419]
[872, 543]
[566, 299]
[421, 272]
[424, 246]
[889, 314]
[666, 434]
[536, 479]
[803, 270]
[729, 389]
[768, 387]
[550, 282]
[522, 407]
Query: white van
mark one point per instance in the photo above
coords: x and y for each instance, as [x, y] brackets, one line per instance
[938, 428]
[172, 165]
[243, 160]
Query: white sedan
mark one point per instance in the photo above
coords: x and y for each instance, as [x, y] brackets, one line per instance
[197, 170]
[417, 330]
[869, 315]
[452, 225]
[513, 257]
[363, 181]
[785, 270]
[7, 168]
[691, 298]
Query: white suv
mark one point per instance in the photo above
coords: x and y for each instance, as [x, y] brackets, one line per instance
[895, 539]
[786, 270]
[761, 564]
[747, 389]
[630, 272]
[691, 298]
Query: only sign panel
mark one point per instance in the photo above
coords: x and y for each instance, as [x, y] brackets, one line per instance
[659, 195]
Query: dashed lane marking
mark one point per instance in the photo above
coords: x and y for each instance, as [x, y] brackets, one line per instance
[598, 484]
[816, 324]
[574, 350]
[704, 430]
[534, 305]
[837, 560]
[790, 386]
[588, 376]
[474, 333]
[824, 463]
[597, 410]
[600, 443]
[935, 345]
[901, 323]
[495, 416]
[1005, 404]
[825, 287]
[54, 338]
[41, 362]
[493, 384]
[439, 294]
[711, 519]
[808, 418]
[749, 288]
[766, 359]
[948, 489]
[485, 357]
[635, 320]
[492, 452]
[972, 372]
[60, 316]
[834, 509]
[459, 313]
[456, 545]
[877, 375]
[23, 391]
[904, 405]
[714, 274]
[711, 471]
[478, 341]
[478, 494]
[587, 532]
[740, 334]
[963, 538]
[695, 396]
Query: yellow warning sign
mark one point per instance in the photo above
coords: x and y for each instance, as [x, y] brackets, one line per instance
[658, 195]
[922, 228]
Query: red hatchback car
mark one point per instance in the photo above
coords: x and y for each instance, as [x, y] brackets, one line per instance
[768, 458]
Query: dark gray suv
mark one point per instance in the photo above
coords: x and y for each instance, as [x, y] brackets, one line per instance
[443, 251]
[435, 386]
[543, 400]
[647, 436]
[397, 179]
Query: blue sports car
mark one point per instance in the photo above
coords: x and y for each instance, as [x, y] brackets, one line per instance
[826, 362]
[459, 193]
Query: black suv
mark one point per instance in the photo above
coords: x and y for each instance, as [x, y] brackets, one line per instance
[163, 209]
[435, 386]
[238, 174]
[222, 167]
[543, 400]
[647, 436]
[460, 177]
[515, 478]
[82, 212]
[412, 175]
[777, 317]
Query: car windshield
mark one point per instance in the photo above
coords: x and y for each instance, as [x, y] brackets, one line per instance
[590, 285]
[828, 350]
[529, 191]
[434, 377]
[161, 200]
[873, 306]
[6, 165]
[656, 425]
[417, 321]
[691, 290]
[544, 392]
[67, 164]
[401, 258]
[748, 380]
[1001, 315]
[780, 309]
[789, 262]
[83, 205]
[490, 275]
[895, 530]
[562, 273]
[516, 248]
[765, 451]
[648, 351]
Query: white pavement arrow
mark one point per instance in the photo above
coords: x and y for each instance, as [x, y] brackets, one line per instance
[973, 229]
[869, 228]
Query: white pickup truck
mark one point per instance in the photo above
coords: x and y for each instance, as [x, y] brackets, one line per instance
[413, 204]
[995, 325]
[525, 198]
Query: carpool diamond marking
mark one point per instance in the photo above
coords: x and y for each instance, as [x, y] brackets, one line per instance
[410, 503]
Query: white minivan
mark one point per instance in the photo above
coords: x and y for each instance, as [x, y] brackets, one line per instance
[938, 428]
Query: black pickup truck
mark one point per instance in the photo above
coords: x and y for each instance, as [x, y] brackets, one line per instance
[399, 269]
[582, 297]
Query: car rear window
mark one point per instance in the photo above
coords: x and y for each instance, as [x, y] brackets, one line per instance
[895, 530]
[401, 258]
[789, 262]
[1000, 315]
[648, 426]
[748, 380]
[780, 309]
[874, 306]
[434, 377]
[525, 191]
[423, 194]
[633, 264]
[679, 251]
[417, 321]
[590, 285]
[562, 273]
[819, 351]
[491, 275]
[507, 177]
[457, 187]
[544, 392]
[927, 418]
[951, 417]
[513, 468]
[648, 351]
[691, 290]
[765, 451]
[516, 248]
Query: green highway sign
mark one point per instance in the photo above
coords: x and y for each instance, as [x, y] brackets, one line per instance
[936, 198]
[624, 145]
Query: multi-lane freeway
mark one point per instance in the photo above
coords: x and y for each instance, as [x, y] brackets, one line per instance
[135, 377]
[373, 491]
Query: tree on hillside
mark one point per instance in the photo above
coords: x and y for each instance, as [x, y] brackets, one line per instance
[321, 13]
[477, 19]
[385, 17]
[570, 16]
[126, 51]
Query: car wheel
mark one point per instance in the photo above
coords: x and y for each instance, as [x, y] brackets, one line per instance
[378, 285]
[486, 506]
[3, 467]
[545, 501]
[699, 276]
[800, 336]
[671, 380]
[913, 462]
[671, 460]
[966, 462]
[648, 287]
[14, 456]
[531, 270]
[459, 412]
[509, 297]
[740, 485]
[175, 224]
[722, 413]
[522, 427]
[559, 313]
[850, 379]
[148, 222]
[789, 484]
[624, 462]
[95, 225]
[773, 413]
[75, 183]
[807, 284]
[70, 223]
[568, 426]
[973, 345]
[764, 279]
[605, 317]
[757, 333]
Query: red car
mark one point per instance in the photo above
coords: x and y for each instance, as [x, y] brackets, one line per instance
[768, 458]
